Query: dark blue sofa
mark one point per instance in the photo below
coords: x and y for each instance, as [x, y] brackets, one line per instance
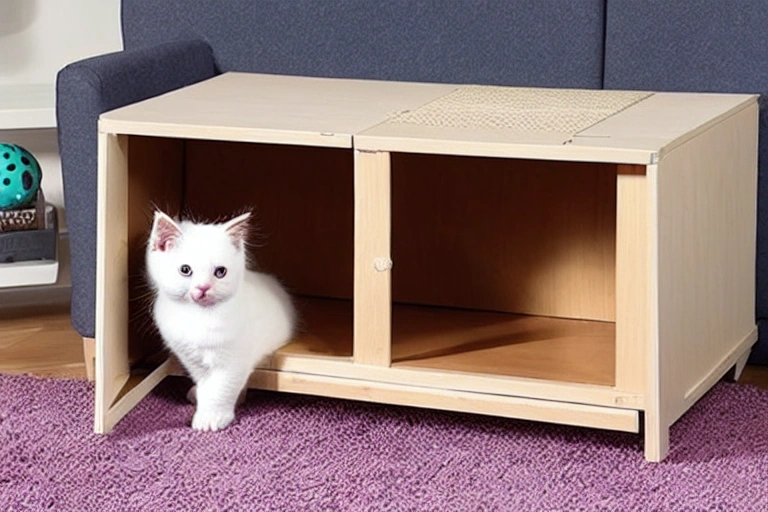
[696, 45]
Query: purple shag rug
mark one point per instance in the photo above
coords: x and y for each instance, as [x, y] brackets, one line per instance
[290, 452]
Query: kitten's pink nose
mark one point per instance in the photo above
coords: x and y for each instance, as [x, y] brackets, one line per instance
[199, 292]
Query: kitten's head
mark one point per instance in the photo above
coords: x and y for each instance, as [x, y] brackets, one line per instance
[202, 264]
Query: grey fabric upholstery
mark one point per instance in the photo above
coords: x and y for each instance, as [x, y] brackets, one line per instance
[698, 45]
[84, 90]
[522, 42]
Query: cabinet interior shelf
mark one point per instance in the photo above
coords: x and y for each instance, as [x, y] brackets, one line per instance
[466, 341]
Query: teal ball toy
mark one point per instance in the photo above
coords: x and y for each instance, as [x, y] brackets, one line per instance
[20, 177]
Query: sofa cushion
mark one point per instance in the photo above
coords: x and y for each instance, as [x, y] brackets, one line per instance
[525, 42]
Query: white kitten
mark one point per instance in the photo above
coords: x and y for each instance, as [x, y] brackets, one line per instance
[219, 318]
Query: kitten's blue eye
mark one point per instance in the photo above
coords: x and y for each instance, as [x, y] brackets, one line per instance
[185, 270]
[220, 272]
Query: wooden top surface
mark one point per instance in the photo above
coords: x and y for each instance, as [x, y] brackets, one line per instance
[271, 108]
[639, 133]
[584, 125]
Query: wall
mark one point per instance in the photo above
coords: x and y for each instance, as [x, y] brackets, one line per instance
[37, 38]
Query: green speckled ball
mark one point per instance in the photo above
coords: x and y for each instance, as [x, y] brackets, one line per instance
[20, 177]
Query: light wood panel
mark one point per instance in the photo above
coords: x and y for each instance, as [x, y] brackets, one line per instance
[707, 228]
[124, 333]
[449, 399]
[494, 143]
[705, 217]
[373, 281]
[519, 236]
[633, 136]
[253, 107]
[656, 417]
[302, 199]
[112, 332]
[635, 252]
[663, 121]
[505, 385]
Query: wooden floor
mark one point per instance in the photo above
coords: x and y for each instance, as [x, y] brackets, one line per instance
[44, 343]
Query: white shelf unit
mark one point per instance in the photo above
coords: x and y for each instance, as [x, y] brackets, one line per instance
[27, 107]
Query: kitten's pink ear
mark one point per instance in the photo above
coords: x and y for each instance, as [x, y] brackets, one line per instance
[237, 229]
[165, 232]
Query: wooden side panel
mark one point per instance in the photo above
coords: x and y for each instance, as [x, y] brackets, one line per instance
[634, 252]
[706, 259]
[656, 415]
[519, 236]
[372, 299]
[129, 184]
[112, 367]
[302, 198]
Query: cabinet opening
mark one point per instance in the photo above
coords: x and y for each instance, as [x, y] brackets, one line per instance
[302, 200]
[504, 267]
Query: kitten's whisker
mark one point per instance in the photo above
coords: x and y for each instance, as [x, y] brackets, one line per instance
[149, 295]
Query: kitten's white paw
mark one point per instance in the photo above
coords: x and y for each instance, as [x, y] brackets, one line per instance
[212, 421]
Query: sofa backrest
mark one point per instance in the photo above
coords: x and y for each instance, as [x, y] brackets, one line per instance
[697, 45]
[522, 42]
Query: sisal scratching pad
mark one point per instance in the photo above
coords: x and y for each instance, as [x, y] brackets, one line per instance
[520, 109]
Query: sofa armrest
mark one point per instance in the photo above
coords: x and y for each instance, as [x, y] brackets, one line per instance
[84, 90]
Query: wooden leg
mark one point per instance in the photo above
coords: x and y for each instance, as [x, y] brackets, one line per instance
[738, 368]
[656, 438]
[89, 355]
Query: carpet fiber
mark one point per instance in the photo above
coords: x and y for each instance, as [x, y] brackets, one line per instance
[289, 452]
